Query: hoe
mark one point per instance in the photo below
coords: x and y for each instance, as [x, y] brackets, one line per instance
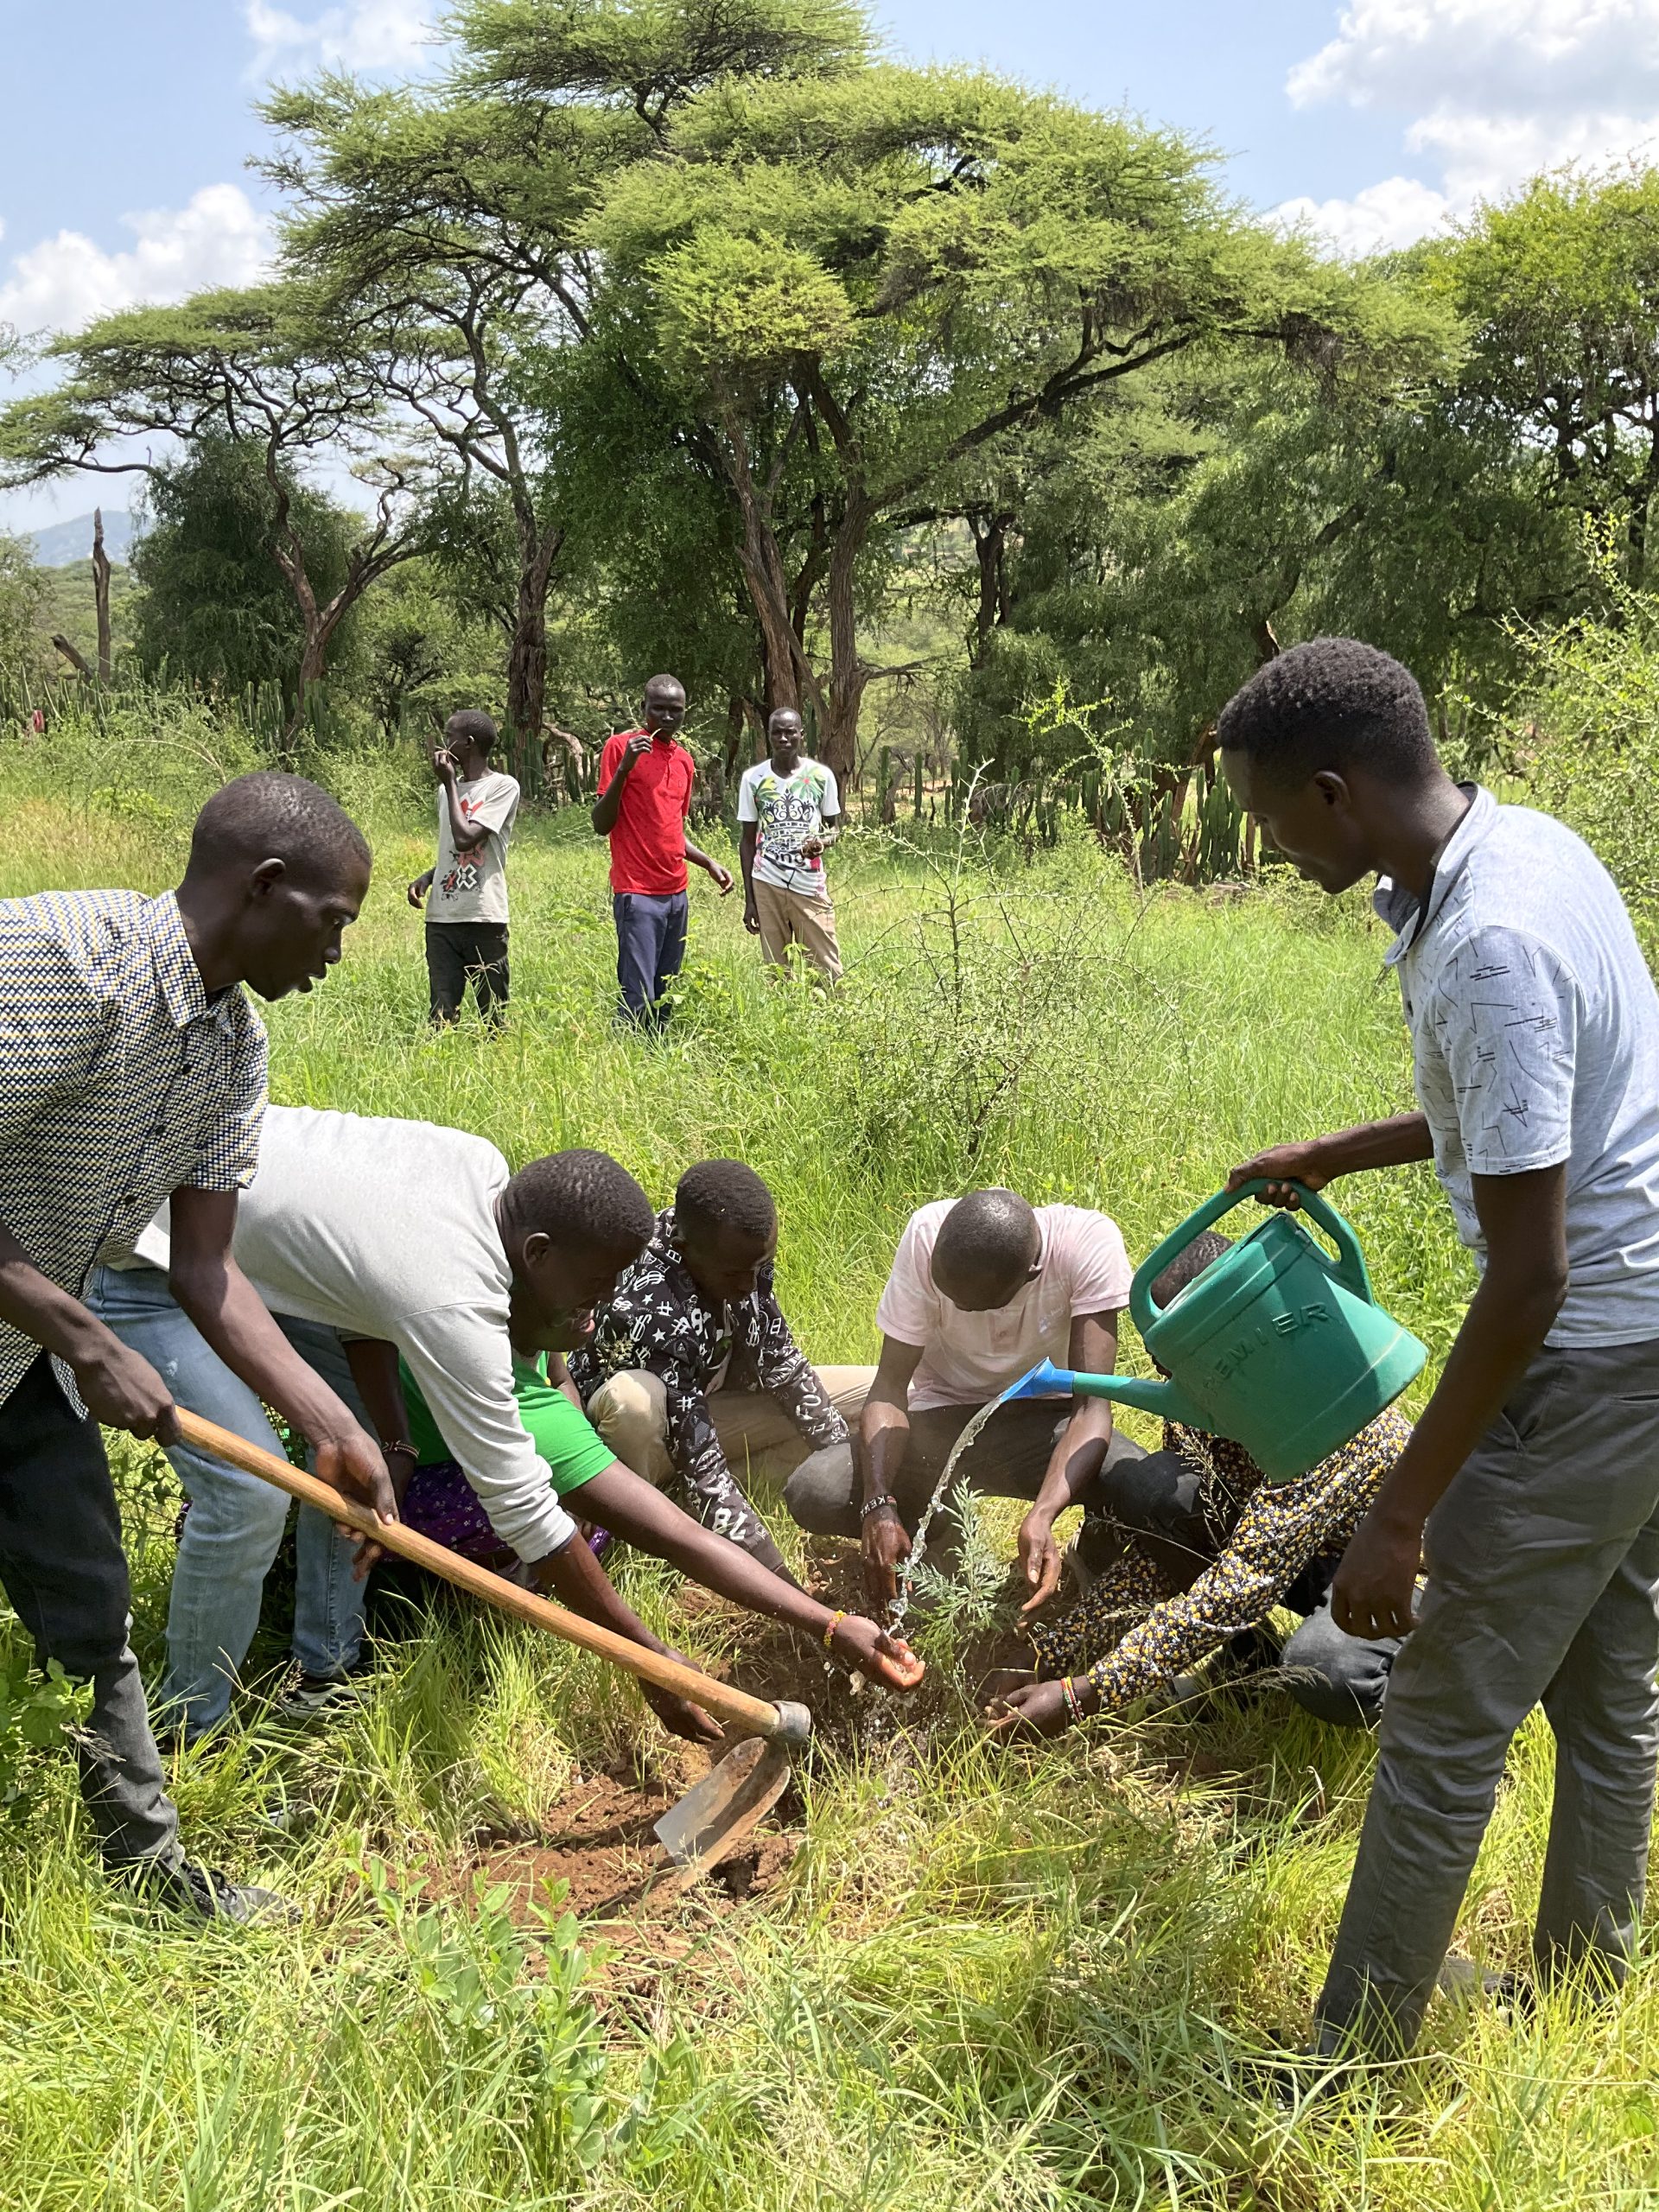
[711, 1820]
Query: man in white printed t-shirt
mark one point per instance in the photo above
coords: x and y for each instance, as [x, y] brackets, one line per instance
[982, 1289]
[787, 810]
[466, 919]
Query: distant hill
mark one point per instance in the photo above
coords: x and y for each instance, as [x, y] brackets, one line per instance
[61, 543]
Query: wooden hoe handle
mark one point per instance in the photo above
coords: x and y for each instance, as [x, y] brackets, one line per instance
[753, 1715]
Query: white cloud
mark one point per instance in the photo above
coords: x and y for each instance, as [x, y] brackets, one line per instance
[1380, 220]
[219, 238]
[1493, 92]
[361, 35]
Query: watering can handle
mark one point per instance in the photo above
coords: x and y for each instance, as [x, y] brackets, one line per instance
[1350, 1261]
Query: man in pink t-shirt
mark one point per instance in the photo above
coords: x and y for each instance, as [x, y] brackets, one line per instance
[981, 1288]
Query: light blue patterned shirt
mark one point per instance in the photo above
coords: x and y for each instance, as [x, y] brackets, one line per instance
[120, 1083]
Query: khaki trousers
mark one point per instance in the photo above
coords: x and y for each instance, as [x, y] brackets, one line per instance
[787, 917]
[631, 1413]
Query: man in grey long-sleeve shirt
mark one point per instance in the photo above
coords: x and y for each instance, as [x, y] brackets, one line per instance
[1530, 1486]
[419, 1235]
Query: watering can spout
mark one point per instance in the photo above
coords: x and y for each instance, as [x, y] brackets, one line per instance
[1047, 1381]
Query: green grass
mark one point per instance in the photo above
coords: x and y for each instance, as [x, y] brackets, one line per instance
[989, 1981]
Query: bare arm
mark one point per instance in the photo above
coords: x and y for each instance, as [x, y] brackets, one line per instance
[745, 842]
[608, 804]
[574, 1576]
[884, 1439]
[120, 1389]
[373, 1364]
[1318, 1160]
[695, 857]
[1077, 1458]
[227, 1310]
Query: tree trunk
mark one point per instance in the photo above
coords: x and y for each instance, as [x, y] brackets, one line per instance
[538, 549]
[848, 674]
[101, 598]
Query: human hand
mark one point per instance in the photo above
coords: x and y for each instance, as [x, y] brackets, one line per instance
[123, 1390]
[1039, 1558]
[636, 748]
[752, 919]
[722, 878]
[811, 848]
[354, 1464]
[1037, 1709]
[1282, 1166]
[1375, 1588]
[445, 765]
[680, 1717]
[417, 891]
[885, 1659]
[885, 1548]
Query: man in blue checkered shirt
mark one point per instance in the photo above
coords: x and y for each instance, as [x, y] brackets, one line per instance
[132, 1070]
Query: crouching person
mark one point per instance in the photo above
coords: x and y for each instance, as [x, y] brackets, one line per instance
[420, 1235]
[440, 1501]
[982, 1289]
[1186, 1552]
[691, 1362]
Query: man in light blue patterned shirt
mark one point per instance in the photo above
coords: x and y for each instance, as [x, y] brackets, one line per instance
[132, 1069]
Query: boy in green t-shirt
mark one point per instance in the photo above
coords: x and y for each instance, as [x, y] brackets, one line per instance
[437, 1498]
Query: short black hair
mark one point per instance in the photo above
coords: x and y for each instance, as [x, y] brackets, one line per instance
[1186, 1267]
[719, 1194]
[985, 1238]
[1335, 703]
[271, 816]
[474, 727]
[580, 1197]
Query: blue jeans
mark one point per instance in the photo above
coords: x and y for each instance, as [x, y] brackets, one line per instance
[235, 1522]
[650, 946]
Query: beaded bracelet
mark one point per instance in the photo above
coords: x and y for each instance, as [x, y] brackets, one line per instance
[835, 1620]
[1074, 1711]
[879, 1503]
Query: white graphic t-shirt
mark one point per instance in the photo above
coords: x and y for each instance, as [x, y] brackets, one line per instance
[473, 887]
[786, 811]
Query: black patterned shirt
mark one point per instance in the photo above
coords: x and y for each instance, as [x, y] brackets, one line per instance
[658, 1320]
[121, 1081]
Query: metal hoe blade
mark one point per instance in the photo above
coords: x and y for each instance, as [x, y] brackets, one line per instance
[709, 1821]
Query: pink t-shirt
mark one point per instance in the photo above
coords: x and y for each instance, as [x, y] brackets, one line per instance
[969, 1357]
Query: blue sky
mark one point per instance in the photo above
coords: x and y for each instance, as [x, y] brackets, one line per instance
[123, 169]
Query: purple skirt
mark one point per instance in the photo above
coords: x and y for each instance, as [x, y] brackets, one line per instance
[440, 1502]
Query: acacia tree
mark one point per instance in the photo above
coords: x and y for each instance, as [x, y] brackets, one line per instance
[860, 283]
[1560, 289]
[446, 230]
[265, 368]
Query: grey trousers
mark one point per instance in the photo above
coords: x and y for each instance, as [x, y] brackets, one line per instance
[64, 1572]
[1542, 1564]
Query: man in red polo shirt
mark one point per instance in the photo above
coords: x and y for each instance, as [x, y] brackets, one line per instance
[644, 795]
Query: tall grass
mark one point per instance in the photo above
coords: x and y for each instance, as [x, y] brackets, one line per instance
[992, 1979]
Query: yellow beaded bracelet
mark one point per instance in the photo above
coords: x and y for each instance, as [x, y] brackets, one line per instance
[835, 1620]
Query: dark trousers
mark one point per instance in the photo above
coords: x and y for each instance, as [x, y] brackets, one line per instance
[65, 1574]
[1008, 1459]
[650, 947]
[458, 953]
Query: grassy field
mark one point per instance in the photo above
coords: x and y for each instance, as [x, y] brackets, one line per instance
[984, 1979]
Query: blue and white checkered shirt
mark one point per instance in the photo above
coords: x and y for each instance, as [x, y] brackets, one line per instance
[120, 1083]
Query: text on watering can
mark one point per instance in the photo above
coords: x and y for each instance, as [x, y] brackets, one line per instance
[1282, 1324]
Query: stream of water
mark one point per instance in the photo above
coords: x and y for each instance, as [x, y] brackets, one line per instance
[899, 1604]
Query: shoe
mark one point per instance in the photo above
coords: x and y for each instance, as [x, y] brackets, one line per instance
[307, 1699]
[192, 1889]
[1512, 1996]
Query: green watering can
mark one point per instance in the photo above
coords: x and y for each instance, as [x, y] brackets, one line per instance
[1274, 1345]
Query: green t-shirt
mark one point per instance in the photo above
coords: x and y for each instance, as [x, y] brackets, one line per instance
[563, 1436]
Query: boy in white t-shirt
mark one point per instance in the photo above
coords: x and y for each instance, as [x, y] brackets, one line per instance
[466, 920]
[981, 1288]
[787, 810]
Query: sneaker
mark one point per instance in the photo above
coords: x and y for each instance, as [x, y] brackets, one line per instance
[307, 1699]
[192, 1889]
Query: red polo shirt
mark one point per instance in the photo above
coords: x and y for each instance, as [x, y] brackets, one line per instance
[648, 840]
